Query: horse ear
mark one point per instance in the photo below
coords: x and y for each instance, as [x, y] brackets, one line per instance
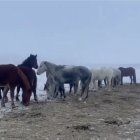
[36, 55]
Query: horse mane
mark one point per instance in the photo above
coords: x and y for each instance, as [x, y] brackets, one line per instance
[30, 62]
[49, 63]
[50, 67]
[26, 62]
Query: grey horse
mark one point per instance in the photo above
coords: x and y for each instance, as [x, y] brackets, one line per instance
[64, 75]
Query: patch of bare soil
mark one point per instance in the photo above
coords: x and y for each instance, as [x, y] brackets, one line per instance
[106, 115]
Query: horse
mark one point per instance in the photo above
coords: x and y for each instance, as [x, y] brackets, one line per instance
[130, 71]
[106, 74]
[64, 75]
[32, 78]
[26, 67]
[10, 77]
[30, 62]
[53, 67]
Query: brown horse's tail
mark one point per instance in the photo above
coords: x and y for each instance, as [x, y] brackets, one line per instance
[25, 86]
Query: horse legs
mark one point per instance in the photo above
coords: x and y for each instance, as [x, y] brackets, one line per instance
[62, 91]
[95, 85]
[131, 80]
[100, 83]
[71, 85]
[55, 94]
[12, 96]
[121, 80]
[83, 89]
[35, 96]
[86, 89]
[4, 98]
[34, 85]
[109, 84]
[75, 87]
[5, 91]
[17, 95]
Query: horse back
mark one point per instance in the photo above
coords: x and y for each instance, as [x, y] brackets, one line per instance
[130, 71]
[74, 73]
[8, 74]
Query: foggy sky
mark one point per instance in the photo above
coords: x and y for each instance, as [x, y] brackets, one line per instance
[69, 32]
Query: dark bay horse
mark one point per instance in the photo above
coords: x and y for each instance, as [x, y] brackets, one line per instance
[26, 67]
[30, 62]
[130, 71]
[10, 77]
[32, 78]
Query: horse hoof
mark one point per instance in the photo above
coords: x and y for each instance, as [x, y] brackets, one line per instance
[63, 99]
[36, 100]
[5, 99]
[2, 105]
[85, 102]
[80, 99]
[13, 106]
[17, 99]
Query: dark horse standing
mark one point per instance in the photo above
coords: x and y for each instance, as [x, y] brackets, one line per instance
[130, 71]
[26, 68]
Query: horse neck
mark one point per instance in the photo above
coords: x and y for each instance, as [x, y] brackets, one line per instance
[50, 67]
[26, 63]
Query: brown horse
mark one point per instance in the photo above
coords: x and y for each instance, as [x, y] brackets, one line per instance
[11, 76]
[130, 71]
[26, 67]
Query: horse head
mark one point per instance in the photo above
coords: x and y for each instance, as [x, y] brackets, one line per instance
[26, 87]
[46, 66]
[33, 61]
[30, 62]
[42, 68]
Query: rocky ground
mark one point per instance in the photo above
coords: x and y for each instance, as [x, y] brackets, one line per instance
[106, 115]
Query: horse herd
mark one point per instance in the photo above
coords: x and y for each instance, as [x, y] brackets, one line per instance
[24, 76]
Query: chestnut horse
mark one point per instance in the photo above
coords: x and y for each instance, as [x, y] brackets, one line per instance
[10, 77]
[26, 67]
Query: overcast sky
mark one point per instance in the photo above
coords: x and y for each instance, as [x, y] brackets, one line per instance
[69, 32]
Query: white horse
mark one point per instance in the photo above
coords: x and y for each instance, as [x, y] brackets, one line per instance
[107, 74]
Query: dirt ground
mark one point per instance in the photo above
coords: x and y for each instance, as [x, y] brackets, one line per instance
[106, 115]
